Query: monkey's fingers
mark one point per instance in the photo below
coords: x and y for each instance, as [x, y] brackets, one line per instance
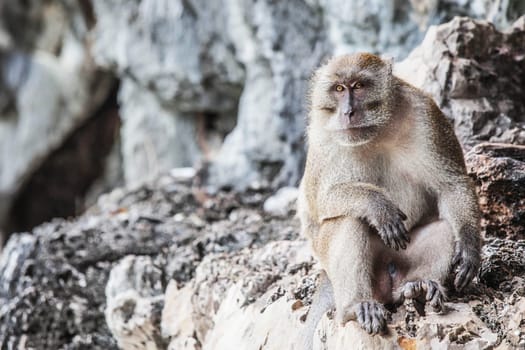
[435, 295]
[456, 259]
[386, 237]
[463, 277]
[438, 302]
[403, 233]
[395, 235]
[378, 319]
[412, 290]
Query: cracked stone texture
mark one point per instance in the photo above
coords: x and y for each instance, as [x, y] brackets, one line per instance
[247, 63]
[56, 284]
[165, 265]
[499, 173]
[476, 74]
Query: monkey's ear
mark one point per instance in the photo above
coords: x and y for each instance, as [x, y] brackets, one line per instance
[389, 61]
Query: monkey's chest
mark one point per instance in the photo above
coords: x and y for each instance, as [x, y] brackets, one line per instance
[410, 195]
[403, 185]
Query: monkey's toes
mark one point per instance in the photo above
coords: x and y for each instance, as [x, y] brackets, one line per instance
[372, 316]
[427, 290]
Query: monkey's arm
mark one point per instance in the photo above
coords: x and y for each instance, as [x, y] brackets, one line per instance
[458, 205]
[309, 226]
[368, 202]
[457, 201]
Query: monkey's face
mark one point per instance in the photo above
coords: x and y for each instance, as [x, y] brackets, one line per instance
[351, 99]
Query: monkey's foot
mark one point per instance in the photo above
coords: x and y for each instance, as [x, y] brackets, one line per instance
[371, 315]
[422, 292]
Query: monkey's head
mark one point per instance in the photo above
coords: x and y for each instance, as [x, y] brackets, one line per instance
[351, 98]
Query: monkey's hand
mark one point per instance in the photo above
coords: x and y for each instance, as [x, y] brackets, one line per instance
[466, 262]
[388, 221]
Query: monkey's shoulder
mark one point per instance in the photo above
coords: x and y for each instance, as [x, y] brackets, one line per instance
[431, 125]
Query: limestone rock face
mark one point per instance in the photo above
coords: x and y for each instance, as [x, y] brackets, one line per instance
[499, 172]
[134, 294]
[164, 265]
[45, 94]
[240, 65]
[225, 82]
[476, 74]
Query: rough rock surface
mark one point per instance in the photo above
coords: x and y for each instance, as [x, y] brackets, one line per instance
[165, 266]
[45, 94]
[54, 282]
[235, 74]
[476, 74]
[499, 172]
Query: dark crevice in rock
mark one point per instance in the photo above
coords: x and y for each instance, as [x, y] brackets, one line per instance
[59, 186]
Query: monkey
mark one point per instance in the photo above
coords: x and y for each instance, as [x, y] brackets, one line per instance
[385, 200]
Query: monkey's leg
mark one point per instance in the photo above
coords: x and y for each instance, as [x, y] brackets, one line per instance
[346, 252]
[420, 271]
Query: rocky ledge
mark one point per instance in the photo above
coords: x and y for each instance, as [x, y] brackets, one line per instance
[165, 266]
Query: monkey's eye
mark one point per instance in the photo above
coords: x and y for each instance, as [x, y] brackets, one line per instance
[358, 85]
[339, 88]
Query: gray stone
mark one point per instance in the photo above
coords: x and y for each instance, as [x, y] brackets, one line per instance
[476, 75]
[282, 202]
[499, 173]
[135, 298]
[153, 138]
[237, 276]
[48, 88]
[246, 62]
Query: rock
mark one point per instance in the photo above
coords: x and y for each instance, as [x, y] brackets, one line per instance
[133, 309]
[183, 174]
[174, 67]
[53, 284]
[235, 293]
[476, 75]
[499, 173]
[503, 260]
[154, 138]
[458, 328]
[12, 260]
[49, 88]
[243, 76]
[282, 202]
[177, 318]
[160, 264]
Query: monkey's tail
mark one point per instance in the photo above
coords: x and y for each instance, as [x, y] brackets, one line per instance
[323, 300]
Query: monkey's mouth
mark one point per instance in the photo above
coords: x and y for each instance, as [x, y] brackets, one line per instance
[355, 135]
[357, 128]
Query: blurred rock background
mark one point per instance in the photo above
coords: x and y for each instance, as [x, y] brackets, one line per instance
[95, 94]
